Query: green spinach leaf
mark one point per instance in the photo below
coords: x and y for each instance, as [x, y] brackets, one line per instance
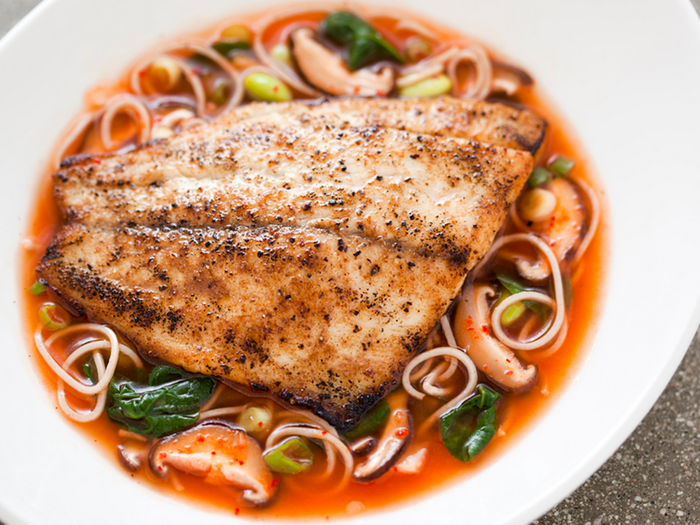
[366, 44]
[370, 422]
[464, 439]
[90, 371]
[225, 46]
[514, 286]
[170, 401]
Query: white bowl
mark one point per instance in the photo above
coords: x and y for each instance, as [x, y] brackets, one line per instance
[625, 74]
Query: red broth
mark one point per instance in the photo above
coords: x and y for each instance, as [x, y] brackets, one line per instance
[300, 497]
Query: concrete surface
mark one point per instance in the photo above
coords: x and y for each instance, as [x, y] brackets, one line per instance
[654, 477]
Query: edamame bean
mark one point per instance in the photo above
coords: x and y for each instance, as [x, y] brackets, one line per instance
[430, 87]
[266, 88]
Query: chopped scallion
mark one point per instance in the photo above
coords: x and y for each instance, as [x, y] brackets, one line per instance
[513, 313]
[37, 288]
[416, 49]
[291, 456]
[561, 166]
[282, 53]
[538, 177]
[513, 286]
[54, 317]
[219, 94]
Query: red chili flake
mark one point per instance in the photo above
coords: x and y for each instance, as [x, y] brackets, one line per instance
[396, 469]
[275, 89]
[507, 360]
[200, 438]
[260, 424]
[401, 432]
[485, 367]
[160, 469]
[237, 511]
[470, 329]
[381, 93]
[162, 455]
[553, 243]
[213, 452]
[98, 161]
[275, 482]
[509, 372]
[485, 328]
[241, 463]
[324, 433]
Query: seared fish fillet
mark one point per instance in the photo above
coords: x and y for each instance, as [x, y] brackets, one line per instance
[304, 251]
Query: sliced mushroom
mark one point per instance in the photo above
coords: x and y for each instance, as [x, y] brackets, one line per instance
[132, 456]
[222, 454]
[414, 463]
[363, 446]
[508, 79]
[565, 228]
[534, 271]
[327, 71]
[395, 438]
[490, 356]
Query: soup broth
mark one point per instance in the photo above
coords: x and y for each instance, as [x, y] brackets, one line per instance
[312, 493]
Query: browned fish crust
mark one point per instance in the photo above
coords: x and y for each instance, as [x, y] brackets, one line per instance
[301, 251]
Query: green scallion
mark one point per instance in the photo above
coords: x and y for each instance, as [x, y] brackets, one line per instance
[513, 313]
[37, 288]
[538, 177]
[54, 317]
[561, 166]
[291, 456]
[219, 94]
[513, 286]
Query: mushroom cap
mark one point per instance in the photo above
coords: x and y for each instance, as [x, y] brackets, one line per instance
[565, 228]
[221, 453]
[490, 356]
[363, 446]
[395, 439]
[131, 457]
[327, 71]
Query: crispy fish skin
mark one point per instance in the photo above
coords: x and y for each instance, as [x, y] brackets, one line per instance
[301, 251]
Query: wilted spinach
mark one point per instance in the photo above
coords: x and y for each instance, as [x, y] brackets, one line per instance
[169, 402]
[370, 422]
[514, 286]
[464, 439]
[366, 44]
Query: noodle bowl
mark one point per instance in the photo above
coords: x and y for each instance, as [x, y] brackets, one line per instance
[532, 323]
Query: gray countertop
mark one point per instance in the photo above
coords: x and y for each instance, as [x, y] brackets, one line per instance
[653, 478]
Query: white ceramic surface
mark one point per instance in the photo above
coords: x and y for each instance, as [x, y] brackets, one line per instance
[625, 73]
